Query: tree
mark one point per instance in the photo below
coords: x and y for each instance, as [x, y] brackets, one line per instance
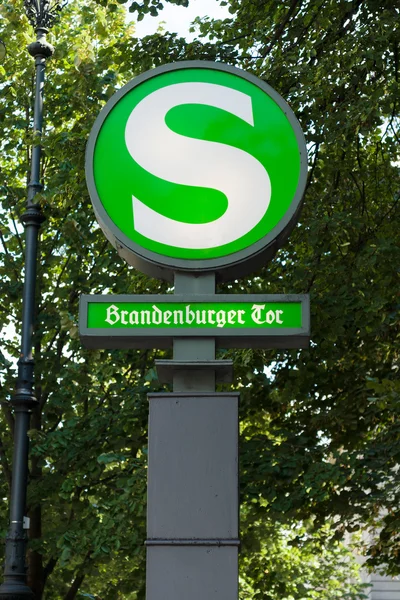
[328, 442]
[320, 439]
[336, 405]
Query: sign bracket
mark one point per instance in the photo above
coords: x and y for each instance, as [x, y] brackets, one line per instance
[167, 369]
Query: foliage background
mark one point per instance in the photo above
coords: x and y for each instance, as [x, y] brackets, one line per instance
[320, 435]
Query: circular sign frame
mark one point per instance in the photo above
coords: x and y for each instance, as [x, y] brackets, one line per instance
[228, 267]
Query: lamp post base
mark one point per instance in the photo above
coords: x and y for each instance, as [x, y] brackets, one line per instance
[15, 590]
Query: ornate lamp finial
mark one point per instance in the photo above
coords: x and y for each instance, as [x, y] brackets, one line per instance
[43, 13]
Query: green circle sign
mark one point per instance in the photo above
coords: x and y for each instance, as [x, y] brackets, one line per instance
[196, 167]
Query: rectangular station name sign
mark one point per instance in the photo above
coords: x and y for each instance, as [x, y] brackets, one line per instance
[235, 321]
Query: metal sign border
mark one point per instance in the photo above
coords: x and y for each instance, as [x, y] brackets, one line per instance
[143, 337]
[227, 267]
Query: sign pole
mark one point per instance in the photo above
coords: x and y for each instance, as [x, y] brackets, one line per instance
[192, 519]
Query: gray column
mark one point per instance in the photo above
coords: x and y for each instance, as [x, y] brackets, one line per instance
[192, 514]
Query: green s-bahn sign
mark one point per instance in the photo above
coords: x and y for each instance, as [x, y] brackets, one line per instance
[196, 167]
[235, 320]
[196, 172]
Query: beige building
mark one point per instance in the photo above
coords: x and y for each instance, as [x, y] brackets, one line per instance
[383, 587]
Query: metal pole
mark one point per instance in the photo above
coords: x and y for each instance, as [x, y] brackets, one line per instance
[42, 15]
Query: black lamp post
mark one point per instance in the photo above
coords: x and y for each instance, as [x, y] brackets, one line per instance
[41, 14]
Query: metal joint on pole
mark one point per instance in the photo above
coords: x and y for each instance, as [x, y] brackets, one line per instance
[42, 14]
[41, 49]
[33, 215]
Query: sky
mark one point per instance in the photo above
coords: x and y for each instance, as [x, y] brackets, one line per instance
[178, 18]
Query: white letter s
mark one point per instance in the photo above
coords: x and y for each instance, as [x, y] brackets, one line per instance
[188, 161]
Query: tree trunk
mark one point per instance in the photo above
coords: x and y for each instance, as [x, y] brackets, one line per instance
[35, 560]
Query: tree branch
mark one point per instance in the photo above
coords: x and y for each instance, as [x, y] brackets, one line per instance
[17, 234]
[8, 415]
[76, 584]
[49, 568]
[4, 462]
[74, 589]
[280, 28]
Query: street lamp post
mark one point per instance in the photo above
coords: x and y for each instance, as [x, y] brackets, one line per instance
[41, 14]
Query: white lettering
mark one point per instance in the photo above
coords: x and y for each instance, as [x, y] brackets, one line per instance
[239, 174]
[270, 317]
[178, 317]
[231, 317]
[256, 314]
[190, 316]
[201, 318]
[134, 317]
[210, 320]
[221, 318]
[157, 315]
[145, 317]
[112, 313]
